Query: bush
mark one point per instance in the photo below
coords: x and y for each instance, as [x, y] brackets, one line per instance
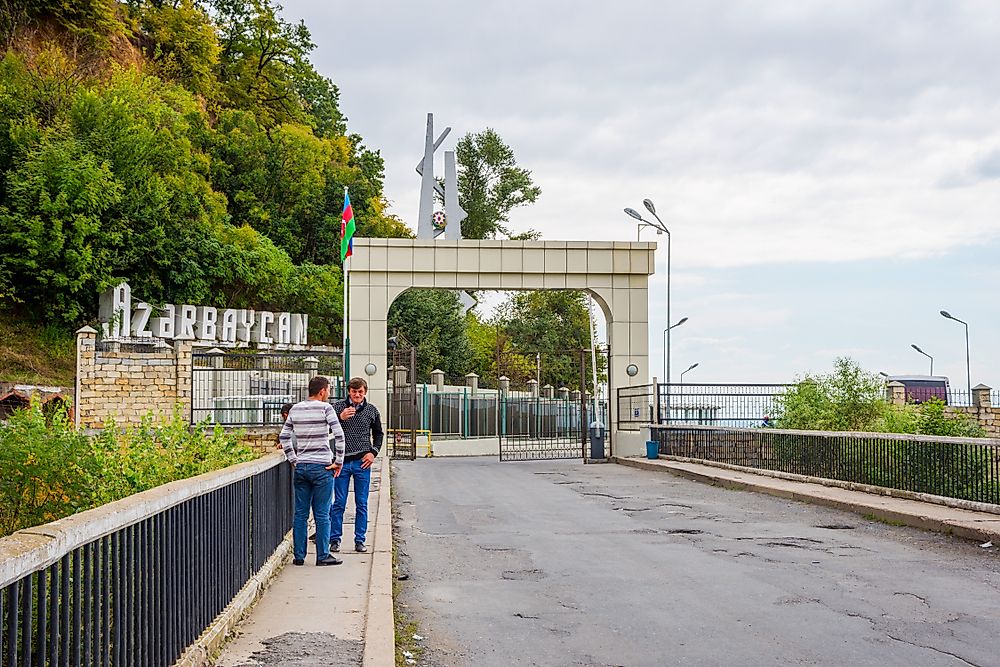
[53, 471]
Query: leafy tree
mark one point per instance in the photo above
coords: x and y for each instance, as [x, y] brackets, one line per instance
[214, 173]
[491, 185]
[262, 57]
[848, 399]
[96, 21]
[434, 322]
[51, 226]
[181, 41]
[553, 323]
[852, 399]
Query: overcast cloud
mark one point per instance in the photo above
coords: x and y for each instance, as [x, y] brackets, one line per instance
[829, 171]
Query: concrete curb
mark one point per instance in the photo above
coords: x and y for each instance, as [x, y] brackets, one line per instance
[957, 503]
[976, 526]
[380, 627]
[204, 650]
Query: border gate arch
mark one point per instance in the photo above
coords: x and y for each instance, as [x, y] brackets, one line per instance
[616, 273]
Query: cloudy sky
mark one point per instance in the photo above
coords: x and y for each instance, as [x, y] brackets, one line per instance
[830, 172]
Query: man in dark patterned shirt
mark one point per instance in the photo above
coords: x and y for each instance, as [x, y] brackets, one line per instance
[362, 426]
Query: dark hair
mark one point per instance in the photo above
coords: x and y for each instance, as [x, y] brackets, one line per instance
[318, 384]
[357, 383]
[286, 408]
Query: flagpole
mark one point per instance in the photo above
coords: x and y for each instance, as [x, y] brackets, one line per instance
[347, 338]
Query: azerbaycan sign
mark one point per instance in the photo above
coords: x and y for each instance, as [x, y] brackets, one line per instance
[120, 318]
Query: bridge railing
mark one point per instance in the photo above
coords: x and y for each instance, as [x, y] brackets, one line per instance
[137, 581]
[962, 468]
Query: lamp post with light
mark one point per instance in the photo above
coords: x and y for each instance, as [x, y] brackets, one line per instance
[660, 228]
[968, 371]
[926, 355]
[689, 368]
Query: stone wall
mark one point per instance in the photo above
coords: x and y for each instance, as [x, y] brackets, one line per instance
[122, 385]
[988, 417]
[981, 410]
[264, 438]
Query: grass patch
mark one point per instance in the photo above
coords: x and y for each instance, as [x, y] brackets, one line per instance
[31, 353]
[885, 520]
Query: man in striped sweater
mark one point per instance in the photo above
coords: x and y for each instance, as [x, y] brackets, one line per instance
[305, 439]
[363, 429]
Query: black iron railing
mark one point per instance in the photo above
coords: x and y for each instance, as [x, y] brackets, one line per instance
[636, 407]
[740, 405]
[965, 468]
[122, 585]
[248, 388]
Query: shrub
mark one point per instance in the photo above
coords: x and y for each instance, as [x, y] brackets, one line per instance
[53, 470]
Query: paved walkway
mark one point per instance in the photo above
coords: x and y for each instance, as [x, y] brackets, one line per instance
[980, 526]
[340, 615]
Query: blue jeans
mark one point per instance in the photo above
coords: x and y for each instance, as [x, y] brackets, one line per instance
[313, 485]
[362, 479]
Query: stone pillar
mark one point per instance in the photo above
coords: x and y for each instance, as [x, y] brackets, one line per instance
[564, 393]
[399, 374]
[472, 382]
[437, 379]
[182, 363]
[575, 395]
[548, 391]
[896, 393]
[533, 388]
[981, 396]
[86, 354]
[312, 367]
[215, 379]
[504, 384]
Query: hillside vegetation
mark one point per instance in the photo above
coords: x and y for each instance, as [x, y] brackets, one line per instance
[189, 148]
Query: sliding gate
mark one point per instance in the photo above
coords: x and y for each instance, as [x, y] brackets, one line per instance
[549, 421]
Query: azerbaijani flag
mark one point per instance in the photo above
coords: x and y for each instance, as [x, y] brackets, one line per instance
[347, 228]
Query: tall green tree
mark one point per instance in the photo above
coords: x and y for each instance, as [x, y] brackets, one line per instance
[491, 185]
[434, 322]
[554, 324]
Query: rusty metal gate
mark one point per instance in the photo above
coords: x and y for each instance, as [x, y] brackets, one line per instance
[402, 418]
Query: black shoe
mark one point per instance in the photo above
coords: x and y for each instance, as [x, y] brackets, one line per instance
[312, 538]
[298, 561]
[329, 560]
[360, 547]
[334, 546]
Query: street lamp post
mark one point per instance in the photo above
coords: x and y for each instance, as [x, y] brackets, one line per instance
[968, 371]
[666, 344]
[689, 368]
[660, 228]
[926, 355]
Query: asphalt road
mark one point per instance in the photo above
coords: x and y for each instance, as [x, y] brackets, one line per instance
[558, 563]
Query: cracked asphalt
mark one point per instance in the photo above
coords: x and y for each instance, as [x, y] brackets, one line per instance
[558, 563]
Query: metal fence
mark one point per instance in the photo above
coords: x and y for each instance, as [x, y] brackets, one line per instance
[742, 405]
[736, 405]
[965, 468]
[249, 388]
[464, 414]
[636, 407]
[125, 585]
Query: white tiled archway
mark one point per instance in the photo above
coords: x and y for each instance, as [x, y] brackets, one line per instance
[616, 273]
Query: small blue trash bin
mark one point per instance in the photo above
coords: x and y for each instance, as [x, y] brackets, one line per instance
[652, 449]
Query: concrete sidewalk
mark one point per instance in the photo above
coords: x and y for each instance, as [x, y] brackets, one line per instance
[966, 523]
[340, 615]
